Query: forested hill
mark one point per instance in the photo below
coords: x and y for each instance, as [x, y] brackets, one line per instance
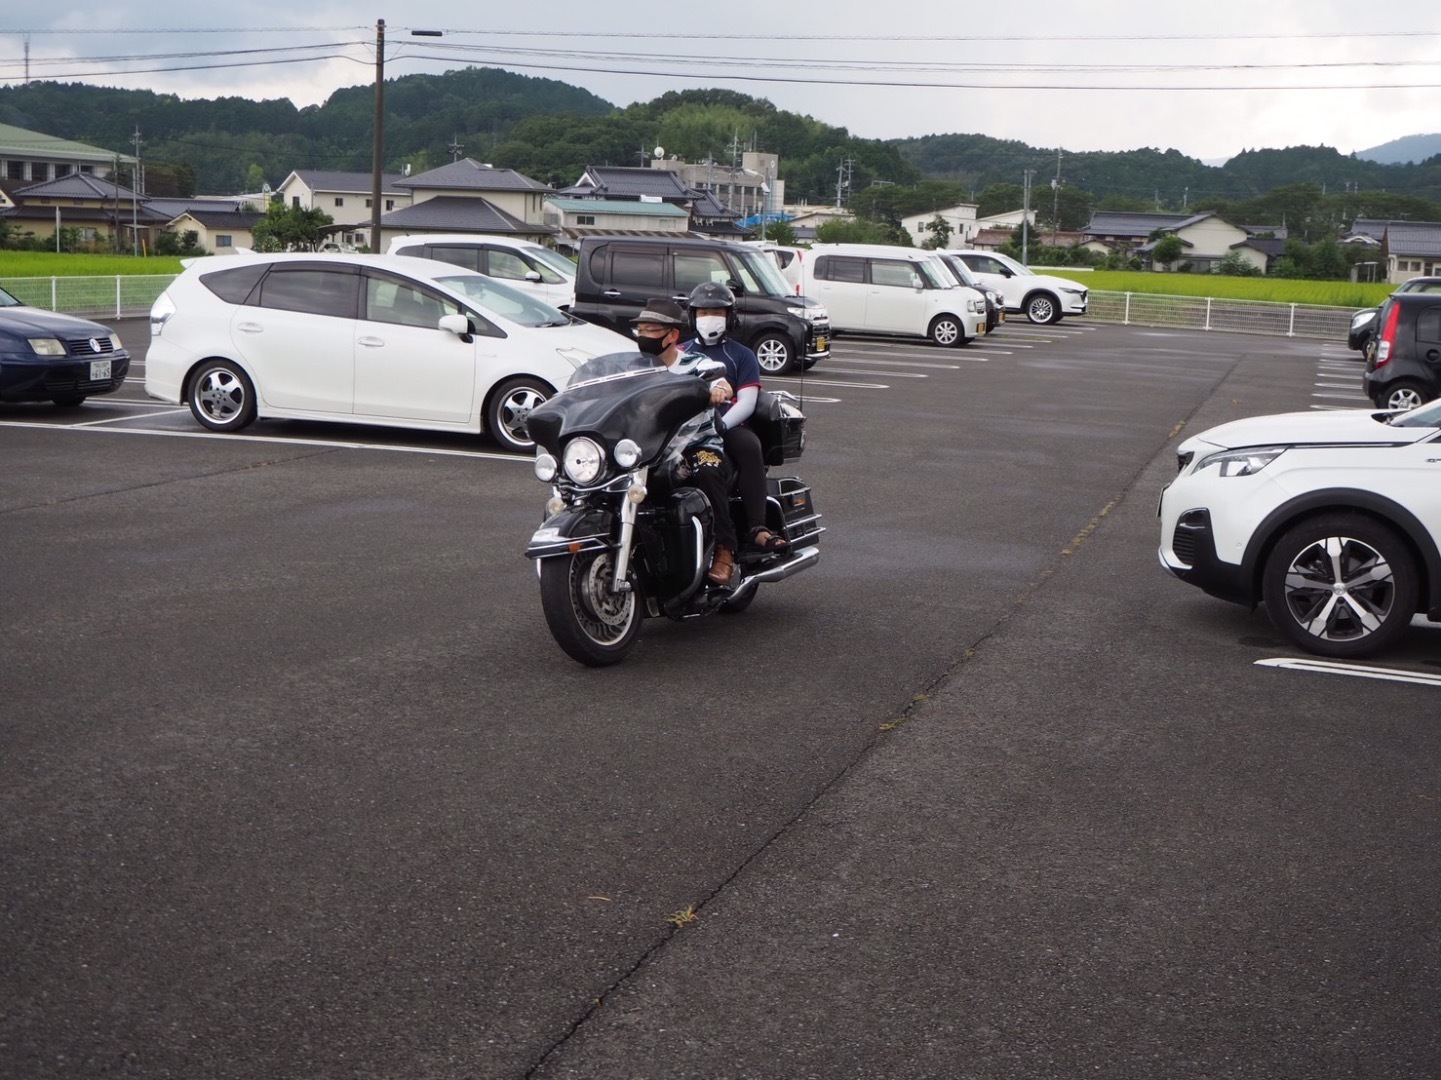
[221, 145]
[1166, 177]
[551, 130]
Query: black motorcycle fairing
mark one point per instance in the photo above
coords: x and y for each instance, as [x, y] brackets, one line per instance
[573, 523]
[645, 408]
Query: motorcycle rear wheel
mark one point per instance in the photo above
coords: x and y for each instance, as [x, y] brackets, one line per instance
[592, 624]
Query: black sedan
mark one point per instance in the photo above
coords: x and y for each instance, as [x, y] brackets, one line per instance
[59, 358]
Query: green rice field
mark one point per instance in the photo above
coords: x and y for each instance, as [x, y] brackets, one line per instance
[1275, 290]
[21, 264]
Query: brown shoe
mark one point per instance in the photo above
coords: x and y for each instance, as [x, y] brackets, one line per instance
[721, 567]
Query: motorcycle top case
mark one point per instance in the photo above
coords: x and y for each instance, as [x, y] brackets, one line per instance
[781, 428]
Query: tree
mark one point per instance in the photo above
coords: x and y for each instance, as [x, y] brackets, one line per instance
[1167, 250]
[940, 230]
[858, 232]
[781, 232]
[290, 228]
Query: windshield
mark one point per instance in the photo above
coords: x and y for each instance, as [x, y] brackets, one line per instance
[6, 300]
[510, 304]
[553, 259]
[764, 277]
[623, 365]
[1428, 415]
[957, 267]
[936, 274]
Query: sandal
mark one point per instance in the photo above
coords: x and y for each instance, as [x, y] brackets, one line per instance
[762, 539]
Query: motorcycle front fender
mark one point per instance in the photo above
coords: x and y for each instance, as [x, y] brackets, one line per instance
[573, 530]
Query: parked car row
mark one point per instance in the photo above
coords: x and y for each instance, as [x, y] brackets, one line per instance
[1401, 341]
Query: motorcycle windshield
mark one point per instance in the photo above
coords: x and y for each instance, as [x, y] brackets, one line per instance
[620, 396]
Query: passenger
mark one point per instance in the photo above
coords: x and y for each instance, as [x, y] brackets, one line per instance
[712, 308]
[658, 330]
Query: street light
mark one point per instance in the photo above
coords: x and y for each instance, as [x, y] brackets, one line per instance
[378, 155]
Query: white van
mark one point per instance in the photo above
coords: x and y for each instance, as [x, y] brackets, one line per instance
[790, 261]
[876, 289]
[547, 275]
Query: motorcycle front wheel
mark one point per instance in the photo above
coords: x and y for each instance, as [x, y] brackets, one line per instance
[592, 624]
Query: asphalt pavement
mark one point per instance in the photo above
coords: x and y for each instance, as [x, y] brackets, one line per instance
[295, 783]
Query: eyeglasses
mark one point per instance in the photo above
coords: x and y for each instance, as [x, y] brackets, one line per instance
[651, 331]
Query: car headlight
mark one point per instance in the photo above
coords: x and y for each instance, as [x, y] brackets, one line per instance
[583, 460]
[1073, 292]
[47, 346]
[976, 307]
[1245, 462]
[545, 466]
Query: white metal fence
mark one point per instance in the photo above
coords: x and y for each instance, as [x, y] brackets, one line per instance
[121, 297]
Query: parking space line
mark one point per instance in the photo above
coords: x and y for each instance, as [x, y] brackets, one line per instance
[1357, 671]
[126, 419]
[331, 443]
[808, 381]
[895, 363]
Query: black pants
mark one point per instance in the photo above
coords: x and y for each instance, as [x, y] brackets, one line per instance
[743, 447]
[713, 474]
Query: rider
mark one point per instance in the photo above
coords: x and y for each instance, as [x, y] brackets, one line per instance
[658, 333]
[712, 307]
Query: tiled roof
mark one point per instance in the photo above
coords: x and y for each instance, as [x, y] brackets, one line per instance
[456, 213]
[473, 176]
[1413, 238]
[75, 186]
[176, 207]
[616, 206]
[623, 181]
[708, 206]
[1266, 246]
[1129, 223]
[225, 219]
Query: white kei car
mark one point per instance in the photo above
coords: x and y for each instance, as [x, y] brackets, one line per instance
[1041, 298]
[364, 339]
[1332, 519]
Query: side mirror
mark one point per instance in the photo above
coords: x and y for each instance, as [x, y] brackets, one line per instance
[459, 325]
[532, 275]
[736, 287]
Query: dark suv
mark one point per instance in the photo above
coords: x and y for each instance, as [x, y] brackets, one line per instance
[1362, 336]
[1405, 368]
[616, 275]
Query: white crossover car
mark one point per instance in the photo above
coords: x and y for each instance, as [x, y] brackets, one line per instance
[1332, 519]
[365, 339]
[1039, 297]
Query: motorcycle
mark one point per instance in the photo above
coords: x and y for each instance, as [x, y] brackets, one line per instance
[625, 537]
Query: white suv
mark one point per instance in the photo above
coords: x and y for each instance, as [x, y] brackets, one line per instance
[1040, 297]
[364, 339]
[547, 275]
[1333, 519]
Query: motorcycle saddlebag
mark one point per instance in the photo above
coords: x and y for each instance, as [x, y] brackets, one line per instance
[800, 522]
[780, 426]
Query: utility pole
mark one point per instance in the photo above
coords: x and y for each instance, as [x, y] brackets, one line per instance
[1026, 214]
[135, 198]
[455, 149]
[1056, 198]
[379, 149]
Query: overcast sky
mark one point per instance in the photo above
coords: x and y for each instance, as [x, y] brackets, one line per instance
[1078, 75]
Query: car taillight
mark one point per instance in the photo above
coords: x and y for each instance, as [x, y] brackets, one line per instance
[1388, 335]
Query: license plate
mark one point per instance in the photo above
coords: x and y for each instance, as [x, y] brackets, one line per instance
[99, 369]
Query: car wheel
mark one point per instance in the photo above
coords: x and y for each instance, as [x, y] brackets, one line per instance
[775, 353]
[946, 330]
[221, 397]
[1404, 395]
[1340, 585]
[1042, 308]
[67, 401]
[510, 407]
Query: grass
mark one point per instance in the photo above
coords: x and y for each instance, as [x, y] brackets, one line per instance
[1276, 290]
[22, 264]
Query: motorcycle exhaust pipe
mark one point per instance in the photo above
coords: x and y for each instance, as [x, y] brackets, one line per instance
[802, 559]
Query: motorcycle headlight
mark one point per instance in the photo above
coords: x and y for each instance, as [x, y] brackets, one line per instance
[545, 466]
[1245, 462]
[583, 460]
[626, 453]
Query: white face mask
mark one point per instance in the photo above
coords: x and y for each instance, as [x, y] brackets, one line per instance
[710, 328]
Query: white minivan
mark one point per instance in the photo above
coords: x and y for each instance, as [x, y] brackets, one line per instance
[547, 275]
[877, 289]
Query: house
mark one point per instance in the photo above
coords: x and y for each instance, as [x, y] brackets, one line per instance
[218, 231]
[961, 219]
[991, 239]
[30, 157]
[106, 216]
[1125, 231]
[1411, 249]
[345, 197]
[752, 188]
[470, 196]
[1207, 239]
[625, 183]
[711, 217]
[572, 219]
[805, 220]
